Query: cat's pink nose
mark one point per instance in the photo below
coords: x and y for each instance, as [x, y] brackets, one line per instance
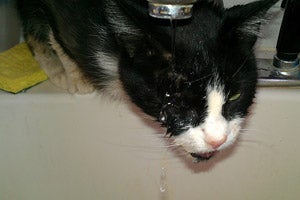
[215, 142]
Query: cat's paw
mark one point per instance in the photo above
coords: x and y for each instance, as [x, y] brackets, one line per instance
[79, 85]
[60, 80]
[74, 83]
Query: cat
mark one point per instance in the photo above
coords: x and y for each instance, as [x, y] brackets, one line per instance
[201, 92]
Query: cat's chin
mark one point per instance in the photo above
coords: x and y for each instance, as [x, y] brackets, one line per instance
[203, 156]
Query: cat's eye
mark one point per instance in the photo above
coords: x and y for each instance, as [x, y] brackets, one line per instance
[235, 97]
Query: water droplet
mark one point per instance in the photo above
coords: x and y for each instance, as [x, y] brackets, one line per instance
[163, 181]
[162, 117]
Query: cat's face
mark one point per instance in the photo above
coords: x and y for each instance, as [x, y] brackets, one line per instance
[203, 94]
[206, 95]
[204, 109]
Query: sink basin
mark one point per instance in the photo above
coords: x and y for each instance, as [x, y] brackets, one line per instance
[70, 147]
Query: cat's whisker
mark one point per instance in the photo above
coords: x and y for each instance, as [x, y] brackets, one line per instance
[255, 143]
[199, 79]
[150, 148]
[252, 132]
[242, 65]
[249, 129]
[249, 141]
[166, 156]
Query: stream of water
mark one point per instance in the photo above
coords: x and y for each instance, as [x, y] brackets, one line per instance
[173, 43]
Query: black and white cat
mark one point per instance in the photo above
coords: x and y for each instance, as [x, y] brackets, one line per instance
[201, 93]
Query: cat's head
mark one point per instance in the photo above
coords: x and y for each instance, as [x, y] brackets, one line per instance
[201, 96]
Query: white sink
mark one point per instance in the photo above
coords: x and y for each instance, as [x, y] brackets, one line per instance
[57, 146]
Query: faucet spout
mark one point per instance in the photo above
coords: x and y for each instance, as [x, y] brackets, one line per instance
[171, 9]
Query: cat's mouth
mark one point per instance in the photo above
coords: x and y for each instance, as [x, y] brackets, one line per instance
[203, 156]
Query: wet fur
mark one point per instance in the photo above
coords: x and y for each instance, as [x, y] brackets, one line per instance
[113, 45]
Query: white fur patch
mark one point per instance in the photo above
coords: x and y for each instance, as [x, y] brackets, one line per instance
[214, 127]
[107, 62]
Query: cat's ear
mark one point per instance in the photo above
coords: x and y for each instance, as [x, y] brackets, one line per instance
[243, 21]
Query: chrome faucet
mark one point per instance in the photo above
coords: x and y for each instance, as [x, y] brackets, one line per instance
[285, 69]
[286, 61]
[171, 9]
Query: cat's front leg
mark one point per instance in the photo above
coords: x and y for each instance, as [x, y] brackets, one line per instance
[71, 78]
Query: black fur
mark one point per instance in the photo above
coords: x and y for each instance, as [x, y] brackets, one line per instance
[212, 45]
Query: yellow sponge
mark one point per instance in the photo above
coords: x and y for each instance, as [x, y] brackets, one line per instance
[19, 70]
